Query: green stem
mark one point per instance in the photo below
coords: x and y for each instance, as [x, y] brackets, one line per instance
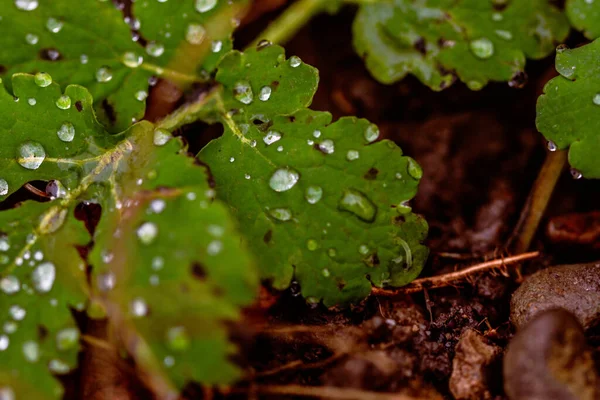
[291, 21]
[538, 200]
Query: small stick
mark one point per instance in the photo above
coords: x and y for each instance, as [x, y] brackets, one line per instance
[325, 392]
[438, 281]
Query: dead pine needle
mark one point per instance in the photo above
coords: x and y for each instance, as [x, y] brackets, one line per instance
[448, 279]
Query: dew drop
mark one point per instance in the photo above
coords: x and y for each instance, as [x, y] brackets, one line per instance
[32, 101]
[4, 342]
[253, 143]
[552, 146]
[155, 49]
[482, 48]
[54, 25]
[295, 61]
[271, 137]
[317, 134]
[216, 46]
[178, 339]
[30, 38]
[10, 327]
[63, 102]
[358, 204]
[497, 17]
[157, 206]
[26, 5]
[67, 339]
[242, 91]
[106, 281]
[104, 74]
[169, 361]
[506, 35]
[312, 245]
[31, 351]
[576, 174]
[283, 179]
[3, 192]
[352, 155]
[247, 176]
[16, 312]
[327, 146]
[158, 263]
[195, 34]
[4, 245]
[313, 194]
[331, 252]
[414, 169]
[66, 132]
[281, 214]
[161, 137]
[371, 133]
[43, 277]
[280, 148]
[325, 272]
[132, 60]
[147, 232]
[141, 95]
[138, 307]
[596, 99]
[263, 44]
[31, 155]
[265, 93]
[203, 6]
[43, 79]
[363, 249]
[214, 247]
[231, 159]
[58, 366]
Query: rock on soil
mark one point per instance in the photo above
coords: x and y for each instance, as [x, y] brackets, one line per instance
[470, 366]
[575, 288]
[549, 359]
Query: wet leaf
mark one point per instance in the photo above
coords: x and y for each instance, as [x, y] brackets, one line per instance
[155, 202]
[68, 41]
[321, 201]
[567, 112]
[436, 40]
[584, 16]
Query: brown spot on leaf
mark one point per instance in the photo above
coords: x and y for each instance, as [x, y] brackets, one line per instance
[371, 174]
[78, 106]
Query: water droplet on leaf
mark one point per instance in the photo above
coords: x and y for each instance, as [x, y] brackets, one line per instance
[43, 79]
[43, 277]
[16, 312]
[242, 91]
[414, 169]
[30, 38]
[371, 133]
[203, 6]
[63, 102]
[327, 146]
[552, 146]
[313, 194]
[141, 95]
[132, 60]
[576, 174]
[138, 307]
[295, 61]
[358, 204]
[161, 137]
[66, 132]
[31, 155]
[67, 339]
[26, 5]
[3, 188]
[271, 137]
[195, 34]
[31, 351]
[265, 93]
[54, 25]
[281, 214]
[178, 339]
[312, 245]
[104, 74]
[482, 48]
[147, 232]
[283, 179]
[155, 49]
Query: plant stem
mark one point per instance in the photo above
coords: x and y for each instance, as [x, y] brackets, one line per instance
[291, 21]
[538, 200]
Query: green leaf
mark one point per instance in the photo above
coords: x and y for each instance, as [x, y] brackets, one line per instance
[141, 176]
[321, 201]
[568, 111]
[584, 16]
[436, 40]
[42, 278]
[66, 40]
